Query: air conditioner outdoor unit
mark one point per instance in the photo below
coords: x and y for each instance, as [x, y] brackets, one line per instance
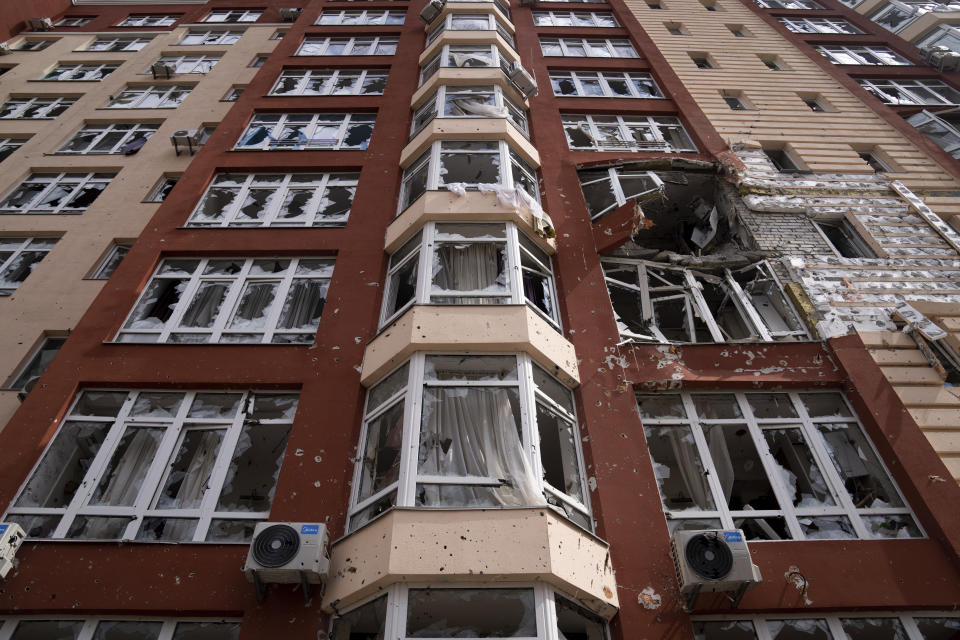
[189, 138]
[941, 58]
[522, 80]
[713, 560]
[290, 14]
[11, 537]
[41, 24]
[287, 553]
[4, 48]
[162, 70]
[430, 12]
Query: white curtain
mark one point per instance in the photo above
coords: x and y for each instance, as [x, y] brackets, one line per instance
[721, 459]
[477, 108]
[685, 453]
[471, 267]
[472, 432]
[124, 482]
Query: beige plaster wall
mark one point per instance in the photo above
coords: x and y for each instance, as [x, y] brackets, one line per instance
[56, 294]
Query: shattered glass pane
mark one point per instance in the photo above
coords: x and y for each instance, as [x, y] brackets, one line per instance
[825, 405]
[716, 406]
[762, 528]
[254, 305]
[738, 468]
[873, 629]
[126, 630]
[47, 630]
[304, 304]
[859, 468]
[231, 530]
[167, 529]
[771, 405]
[252, 477]
[892, 526]
[724, 630]
[576, 623]
[477, 368]
[93, 528]
[63, 467]
[215, 405]
[156, 405]
[207, 631]
[799, 472]
[558, 453]
[401, 286]
[827, 528]
[692, 524]
[380, 456]
[121, 480]
[379, 506]
[678, 468]
[99, 403]
[548, 385]
[471, 613]
[938, 628]
[661, 406]
[471, 268]
[363, 622]
[386, 389]
[35, 526]
[274, 406]
[189, 471]
[805, 629]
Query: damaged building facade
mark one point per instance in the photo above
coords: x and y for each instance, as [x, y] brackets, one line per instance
[505, 296]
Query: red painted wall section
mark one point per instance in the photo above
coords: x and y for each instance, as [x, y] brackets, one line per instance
[14, 14]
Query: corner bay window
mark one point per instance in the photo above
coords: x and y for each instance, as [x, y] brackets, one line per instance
[471, 22]
[305, 131]
[469, 102]
[469, 432]
[535, 612]
[159, 466]
[470, 264]
[626, 133]
[780, 466]
[465, 56]
[257, 300]
[460, 165]
[276, 200]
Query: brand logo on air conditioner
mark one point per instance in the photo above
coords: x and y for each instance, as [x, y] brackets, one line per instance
[310, 529]
[732, 536]
[3, 528]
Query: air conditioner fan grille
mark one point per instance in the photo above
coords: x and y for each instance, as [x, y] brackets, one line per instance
[709, 556]
[276, 546]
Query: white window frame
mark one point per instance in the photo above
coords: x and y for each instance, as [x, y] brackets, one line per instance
[132, 131]
[72, 21]
[396, 597]
[51, 102]
[195, 37]
[77, 179]
[19, 247]
[944, 35]
[430, 160]
[503, 6]
[9, 146]
[218, 332]
[603, 79]
[435, 105]
[88, 628]
[162, 188]
[816, 444]
[110, 261]
[620, 196]
[145, 91]
[833, 620]
[371, 45]
[447, 58]
[589, 47]
[896, 16]
[173, 427]
[788, 4]
[98, 71]
[411, 396]
[839, 54]
[110, 43]
[272, 140]
[365, 17]
[187, 63]
[221, 16]
[150, 20]
[819, 25]
[653, 287]
[623, 124]
[36, 364]
[451, 22]
[574, 19]
[306, 77]
[949, 139]
[907, 86]
[232, 216]
[421, 249]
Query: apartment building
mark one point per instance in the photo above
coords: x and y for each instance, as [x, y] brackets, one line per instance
[508, 299]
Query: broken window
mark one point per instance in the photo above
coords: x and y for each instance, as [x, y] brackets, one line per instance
[370, 17]
[469, 264]
[844, 239]
[348, 46]
[787, 4]
[861, 55]
[150, 465]
[945, 35]
[276, 200]
[895, 16]
[463, 56]
[39, 108]
[187, 63]
[818, 25]
[106, 43]
[609, 188]
[42, 356]
[911, 92]
[330, 82]
[307, 131]
[609, 84]
[478, 421]
[150, 97]
[18, 258]
[233, 15]
[664, 303]
[124, 139]
[212, 36]
[574, 19]
[626, 133]
[588, 48]
[936, 127]
[877, 626]
[254, 300]
[780, 466]
[80, 72]
[450, 101]
[366, 622]
[139, 628]
[55, 193]
[471, 22]
[149, 20]
[460, 165]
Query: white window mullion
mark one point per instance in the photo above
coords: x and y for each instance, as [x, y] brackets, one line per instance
[221, 466]
[706, 459]
[272, 214]
[513, 264]
[183, 303]
[528, 429]
[234, 291]
[276, 307]
[424, 285]
[407, 487]
[151, 480]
